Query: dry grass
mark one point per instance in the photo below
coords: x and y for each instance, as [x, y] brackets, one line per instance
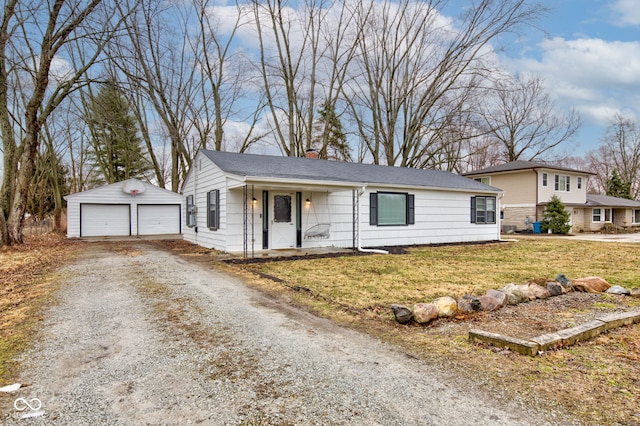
[456, 270]
[587, 380]
[598, 380]
[26, 287]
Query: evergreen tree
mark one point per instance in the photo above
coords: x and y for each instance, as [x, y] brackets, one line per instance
[556, 217]
[49, 176]
[117, 152]
[616, 187]
[330, 135]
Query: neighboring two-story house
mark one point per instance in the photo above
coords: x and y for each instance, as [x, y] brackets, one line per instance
[529, 186]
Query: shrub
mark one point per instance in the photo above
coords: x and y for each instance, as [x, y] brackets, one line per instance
[556, 217]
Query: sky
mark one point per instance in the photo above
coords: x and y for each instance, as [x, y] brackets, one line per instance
[588, 53]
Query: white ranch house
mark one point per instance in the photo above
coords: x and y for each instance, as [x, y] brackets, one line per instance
[245, 203]
[128, 208]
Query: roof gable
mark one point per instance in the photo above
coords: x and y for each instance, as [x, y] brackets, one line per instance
[297, 168]
[122, 184]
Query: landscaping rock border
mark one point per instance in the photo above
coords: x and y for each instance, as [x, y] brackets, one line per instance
[510, 294]
[514, 294]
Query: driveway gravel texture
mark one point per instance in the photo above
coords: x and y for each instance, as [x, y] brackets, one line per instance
[141, 336]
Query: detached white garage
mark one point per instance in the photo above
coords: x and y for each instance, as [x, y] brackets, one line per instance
[129, 208]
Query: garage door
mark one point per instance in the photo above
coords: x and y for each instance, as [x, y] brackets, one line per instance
[104, 220]
[158, 219]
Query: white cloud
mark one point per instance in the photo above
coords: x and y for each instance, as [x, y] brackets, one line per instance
[598, 77]
[627, 12]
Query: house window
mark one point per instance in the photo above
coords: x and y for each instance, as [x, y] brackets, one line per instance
[485, 180]
[483, 209]
[563, 183]
[636, 216]
[213, 209]
[191, 212]
[544, 179]
[602, 215]
[282, 208]
[391, 208]
[579, 182]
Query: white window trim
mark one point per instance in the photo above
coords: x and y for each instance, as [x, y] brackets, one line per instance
[567, 183]
[602, 215]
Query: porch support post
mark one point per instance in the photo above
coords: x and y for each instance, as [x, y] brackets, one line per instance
[245, 223]
[355, 226]
[253, 234]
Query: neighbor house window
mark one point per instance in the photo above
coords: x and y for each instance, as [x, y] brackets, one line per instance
[483, 209]
[636, 216]
[544, 179]
[213, 209]
[579, 183]
[563, 183]
[485, 180]
[191, 211]
[602, 215]
[391, 208]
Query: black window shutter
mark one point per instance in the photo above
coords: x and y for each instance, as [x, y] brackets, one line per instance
[209, 224]
[473, 209]
[373, 208]
[411, 208]
[217, 217]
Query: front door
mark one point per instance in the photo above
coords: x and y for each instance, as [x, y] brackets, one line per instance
[283, 217]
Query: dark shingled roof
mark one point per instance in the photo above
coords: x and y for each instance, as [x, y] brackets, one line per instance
[522, 165]
[268, 166]
[597, 200]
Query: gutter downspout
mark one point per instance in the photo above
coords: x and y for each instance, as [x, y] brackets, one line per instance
[359, 248]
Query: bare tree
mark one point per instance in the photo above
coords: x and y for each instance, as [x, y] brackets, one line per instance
[598, 161]
[156, 61]
[290, 50]
[622, 148]
[523, 120]
[34, 42]
[414, 70]
[224, 72]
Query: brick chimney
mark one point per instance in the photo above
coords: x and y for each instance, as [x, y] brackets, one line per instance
[311, 153]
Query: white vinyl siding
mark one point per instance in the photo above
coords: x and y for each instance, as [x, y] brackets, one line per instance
[202, 178]
[114, 196]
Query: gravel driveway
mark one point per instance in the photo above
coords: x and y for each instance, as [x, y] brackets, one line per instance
[140, 336]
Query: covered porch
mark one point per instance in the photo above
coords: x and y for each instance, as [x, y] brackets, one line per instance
[288, 218]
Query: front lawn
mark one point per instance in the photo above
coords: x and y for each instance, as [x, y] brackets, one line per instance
[597, 381]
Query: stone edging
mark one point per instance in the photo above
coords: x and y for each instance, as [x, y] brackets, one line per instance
[561, 338]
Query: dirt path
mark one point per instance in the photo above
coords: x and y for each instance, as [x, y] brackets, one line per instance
[143, 337]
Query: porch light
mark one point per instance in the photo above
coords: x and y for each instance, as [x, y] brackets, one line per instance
[308, 202]
[254, 201]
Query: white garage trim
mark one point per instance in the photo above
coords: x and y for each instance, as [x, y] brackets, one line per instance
[105, 220]
[158, 219]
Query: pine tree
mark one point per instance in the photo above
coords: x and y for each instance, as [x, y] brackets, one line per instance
[616, 187]
[117, 152]
[50, 175]
[330, 135]
[556, 217]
